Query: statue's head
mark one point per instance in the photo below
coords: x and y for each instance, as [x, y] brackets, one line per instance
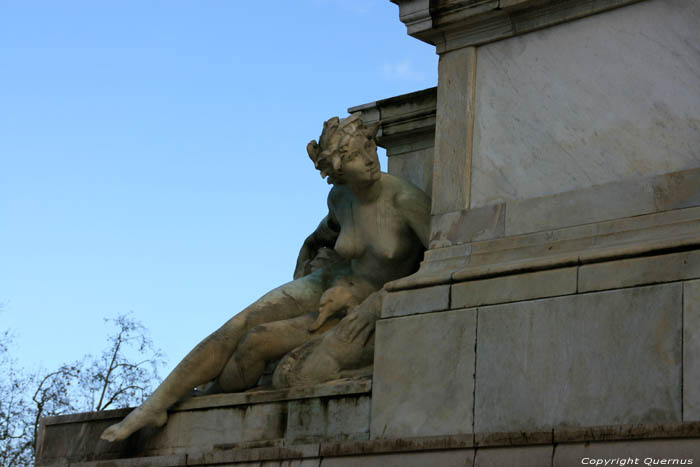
[346, 151]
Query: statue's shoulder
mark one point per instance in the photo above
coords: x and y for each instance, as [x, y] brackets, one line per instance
[404, 191]
[337, 195]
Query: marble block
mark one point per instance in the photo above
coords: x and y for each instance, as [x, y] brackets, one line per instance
[593, 359]
[528, 456]
[412, 302]
[514, 288]
[416, 167]
[691, 350]
[600, 99]
[639, 271]
[453, 130]
[451, 458]
[614, 200]
[424, 375]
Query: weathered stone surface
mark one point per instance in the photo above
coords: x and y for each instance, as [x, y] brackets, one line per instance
[424, 375]
[583, 360]
[214, 425]
[512, 438]
[467, 225]
[462, 23]
[153, 461]
[530, 456]
[440, 276]
[411, 302]
[567, 455]
[195, 429]
[335, 418]
[453, 131]
[78, 438]
[598, 203]
[583, 206]
[639, 271]
[635, 229]
[343, 387]
[385, 445]
[513, 288]
[588, 102]
[416, 167]
[627, 432]
[677, 190]
[691, 350]
[291, 463]
[452, 458]
[636, 236]
[230, 456]
[438, 254]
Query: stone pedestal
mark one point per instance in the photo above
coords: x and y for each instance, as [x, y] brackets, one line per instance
[558, 292]
[211, 430]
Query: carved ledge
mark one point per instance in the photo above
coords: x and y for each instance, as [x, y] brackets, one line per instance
[403, 119]
[453, 24]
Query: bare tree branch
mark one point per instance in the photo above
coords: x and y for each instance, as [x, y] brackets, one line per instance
[120, 376]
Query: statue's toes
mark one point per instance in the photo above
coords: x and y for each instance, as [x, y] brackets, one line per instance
[111, 434]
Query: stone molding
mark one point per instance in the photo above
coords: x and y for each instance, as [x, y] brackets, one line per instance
[404, 119]
[457, 269]
[476, 244]
[453, 24]
[592, 435]
[257, 396]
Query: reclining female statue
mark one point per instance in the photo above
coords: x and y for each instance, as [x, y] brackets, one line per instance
[376, 231]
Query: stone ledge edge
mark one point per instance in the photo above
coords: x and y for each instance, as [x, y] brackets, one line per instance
[338, 388]
[466, 24]
[605, 433]
[576, 258]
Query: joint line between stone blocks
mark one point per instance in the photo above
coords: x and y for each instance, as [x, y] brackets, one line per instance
[476, 337]
[682, 349]
[578, 271]
[471, 118]
[554, 447]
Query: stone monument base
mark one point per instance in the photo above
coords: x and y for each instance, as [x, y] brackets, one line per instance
[269, 423]
[328, 425]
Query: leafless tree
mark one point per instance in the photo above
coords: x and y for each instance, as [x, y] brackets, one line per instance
[121, 376]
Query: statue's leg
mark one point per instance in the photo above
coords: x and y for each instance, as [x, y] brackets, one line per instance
[265, 343]
[206, 361]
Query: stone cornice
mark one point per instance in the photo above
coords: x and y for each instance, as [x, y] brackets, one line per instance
[402, 118]
[452, 24]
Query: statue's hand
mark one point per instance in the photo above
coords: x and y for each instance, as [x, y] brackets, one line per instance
[356, 327]
[332, 301]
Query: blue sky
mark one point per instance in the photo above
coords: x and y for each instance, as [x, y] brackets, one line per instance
[152, 155]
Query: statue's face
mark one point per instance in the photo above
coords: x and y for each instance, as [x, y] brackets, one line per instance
[359, 163]
[347, 152]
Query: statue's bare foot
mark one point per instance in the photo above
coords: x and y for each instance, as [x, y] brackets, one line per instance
[136, 420]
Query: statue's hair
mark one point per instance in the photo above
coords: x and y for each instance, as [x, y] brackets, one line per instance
[337, 133]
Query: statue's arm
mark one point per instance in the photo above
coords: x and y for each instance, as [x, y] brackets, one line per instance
[415, 205]
[325, 235]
